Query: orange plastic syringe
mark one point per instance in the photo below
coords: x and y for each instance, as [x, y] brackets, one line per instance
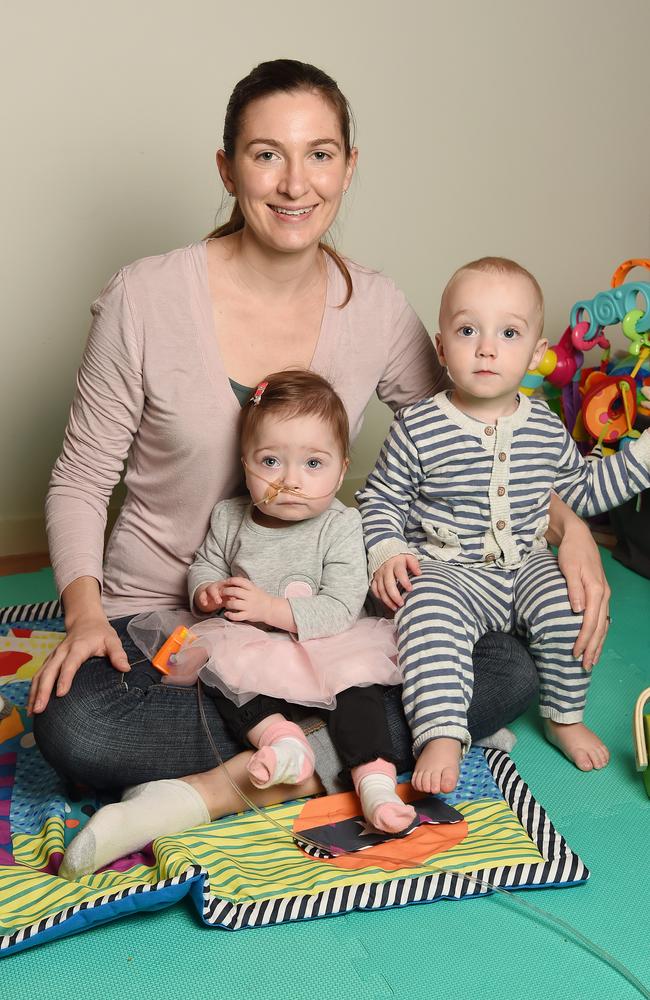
[169, 648]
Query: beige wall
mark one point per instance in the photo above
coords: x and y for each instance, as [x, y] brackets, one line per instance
[504, 127]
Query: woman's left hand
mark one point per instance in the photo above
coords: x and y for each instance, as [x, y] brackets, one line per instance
[589, 592]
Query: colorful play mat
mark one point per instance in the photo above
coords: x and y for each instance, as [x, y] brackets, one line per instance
[242, 871]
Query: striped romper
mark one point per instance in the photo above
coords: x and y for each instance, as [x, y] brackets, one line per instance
[471, 501]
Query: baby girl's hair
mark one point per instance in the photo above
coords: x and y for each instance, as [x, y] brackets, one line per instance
[497, 265]
[295, 393]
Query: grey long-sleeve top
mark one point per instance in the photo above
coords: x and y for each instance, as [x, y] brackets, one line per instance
[324, 554]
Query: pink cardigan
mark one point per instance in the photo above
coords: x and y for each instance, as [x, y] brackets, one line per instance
[152, 390]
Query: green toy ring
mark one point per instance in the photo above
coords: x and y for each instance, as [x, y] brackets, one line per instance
[628, 324]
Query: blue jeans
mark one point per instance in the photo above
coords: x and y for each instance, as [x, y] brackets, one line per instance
[114, 729]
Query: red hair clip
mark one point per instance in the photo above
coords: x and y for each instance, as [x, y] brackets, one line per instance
[257, 395]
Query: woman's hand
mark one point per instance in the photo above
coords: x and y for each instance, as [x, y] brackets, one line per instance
[393, 575]
[88, 637]
[589, 592]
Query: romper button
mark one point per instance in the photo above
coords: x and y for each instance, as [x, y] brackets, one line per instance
[489, 431]
[502, 456]
[490, 557]
[501, 491]
[501, 525]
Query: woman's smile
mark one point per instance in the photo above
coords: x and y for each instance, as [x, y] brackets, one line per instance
[292, 215]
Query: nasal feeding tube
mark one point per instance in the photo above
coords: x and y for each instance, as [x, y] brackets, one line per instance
[276, 487]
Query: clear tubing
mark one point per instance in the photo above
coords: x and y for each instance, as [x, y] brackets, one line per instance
[535, 911]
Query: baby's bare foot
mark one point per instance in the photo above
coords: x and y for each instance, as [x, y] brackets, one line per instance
[437, 767]
[578, 743]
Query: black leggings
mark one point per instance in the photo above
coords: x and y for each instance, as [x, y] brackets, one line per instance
[357, 725]
[114, 729]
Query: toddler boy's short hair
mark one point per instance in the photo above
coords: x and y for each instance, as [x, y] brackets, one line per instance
[497, 265]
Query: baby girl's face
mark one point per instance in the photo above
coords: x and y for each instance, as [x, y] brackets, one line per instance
[300, 452]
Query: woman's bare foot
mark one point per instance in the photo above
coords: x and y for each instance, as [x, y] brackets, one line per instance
[578, 743]
[438, 766]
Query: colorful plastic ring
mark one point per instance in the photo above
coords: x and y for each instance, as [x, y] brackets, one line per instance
[623, 269]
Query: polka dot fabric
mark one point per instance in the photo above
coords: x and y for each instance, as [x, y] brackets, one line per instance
[475, 782]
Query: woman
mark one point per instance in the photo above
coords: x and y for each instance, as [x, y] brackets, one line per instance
[176, 343]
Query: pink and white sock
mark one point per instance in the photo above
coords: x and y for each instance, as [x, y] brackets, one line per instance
[375, 784]
[284, 756]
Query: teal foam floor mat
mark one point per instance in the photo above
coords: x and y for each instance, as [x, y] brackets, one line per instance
[481, 948]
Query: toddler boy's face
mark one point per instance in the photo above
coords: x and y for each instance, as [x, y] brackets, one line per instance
[490, 325]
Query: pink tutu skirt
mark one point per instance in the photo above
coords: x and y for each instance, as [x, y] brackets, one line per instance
[242, 661]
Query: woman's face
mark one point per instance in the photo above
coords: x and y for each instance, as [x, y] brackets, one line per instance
[289, 169]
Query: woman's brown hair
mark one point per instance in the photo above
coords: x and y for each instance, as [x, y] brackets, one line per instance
[284, 75]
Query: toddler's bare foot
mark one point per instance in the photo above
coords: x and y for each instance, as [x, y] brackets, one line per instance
[438, 766]
[578, 743]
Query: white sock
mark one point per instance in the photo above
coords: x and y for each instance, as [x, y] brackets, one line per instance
[503, 739]
[154, 809]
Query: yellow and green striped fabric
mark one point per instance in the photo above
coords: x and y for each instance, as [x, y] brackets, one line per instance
[245, 859]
